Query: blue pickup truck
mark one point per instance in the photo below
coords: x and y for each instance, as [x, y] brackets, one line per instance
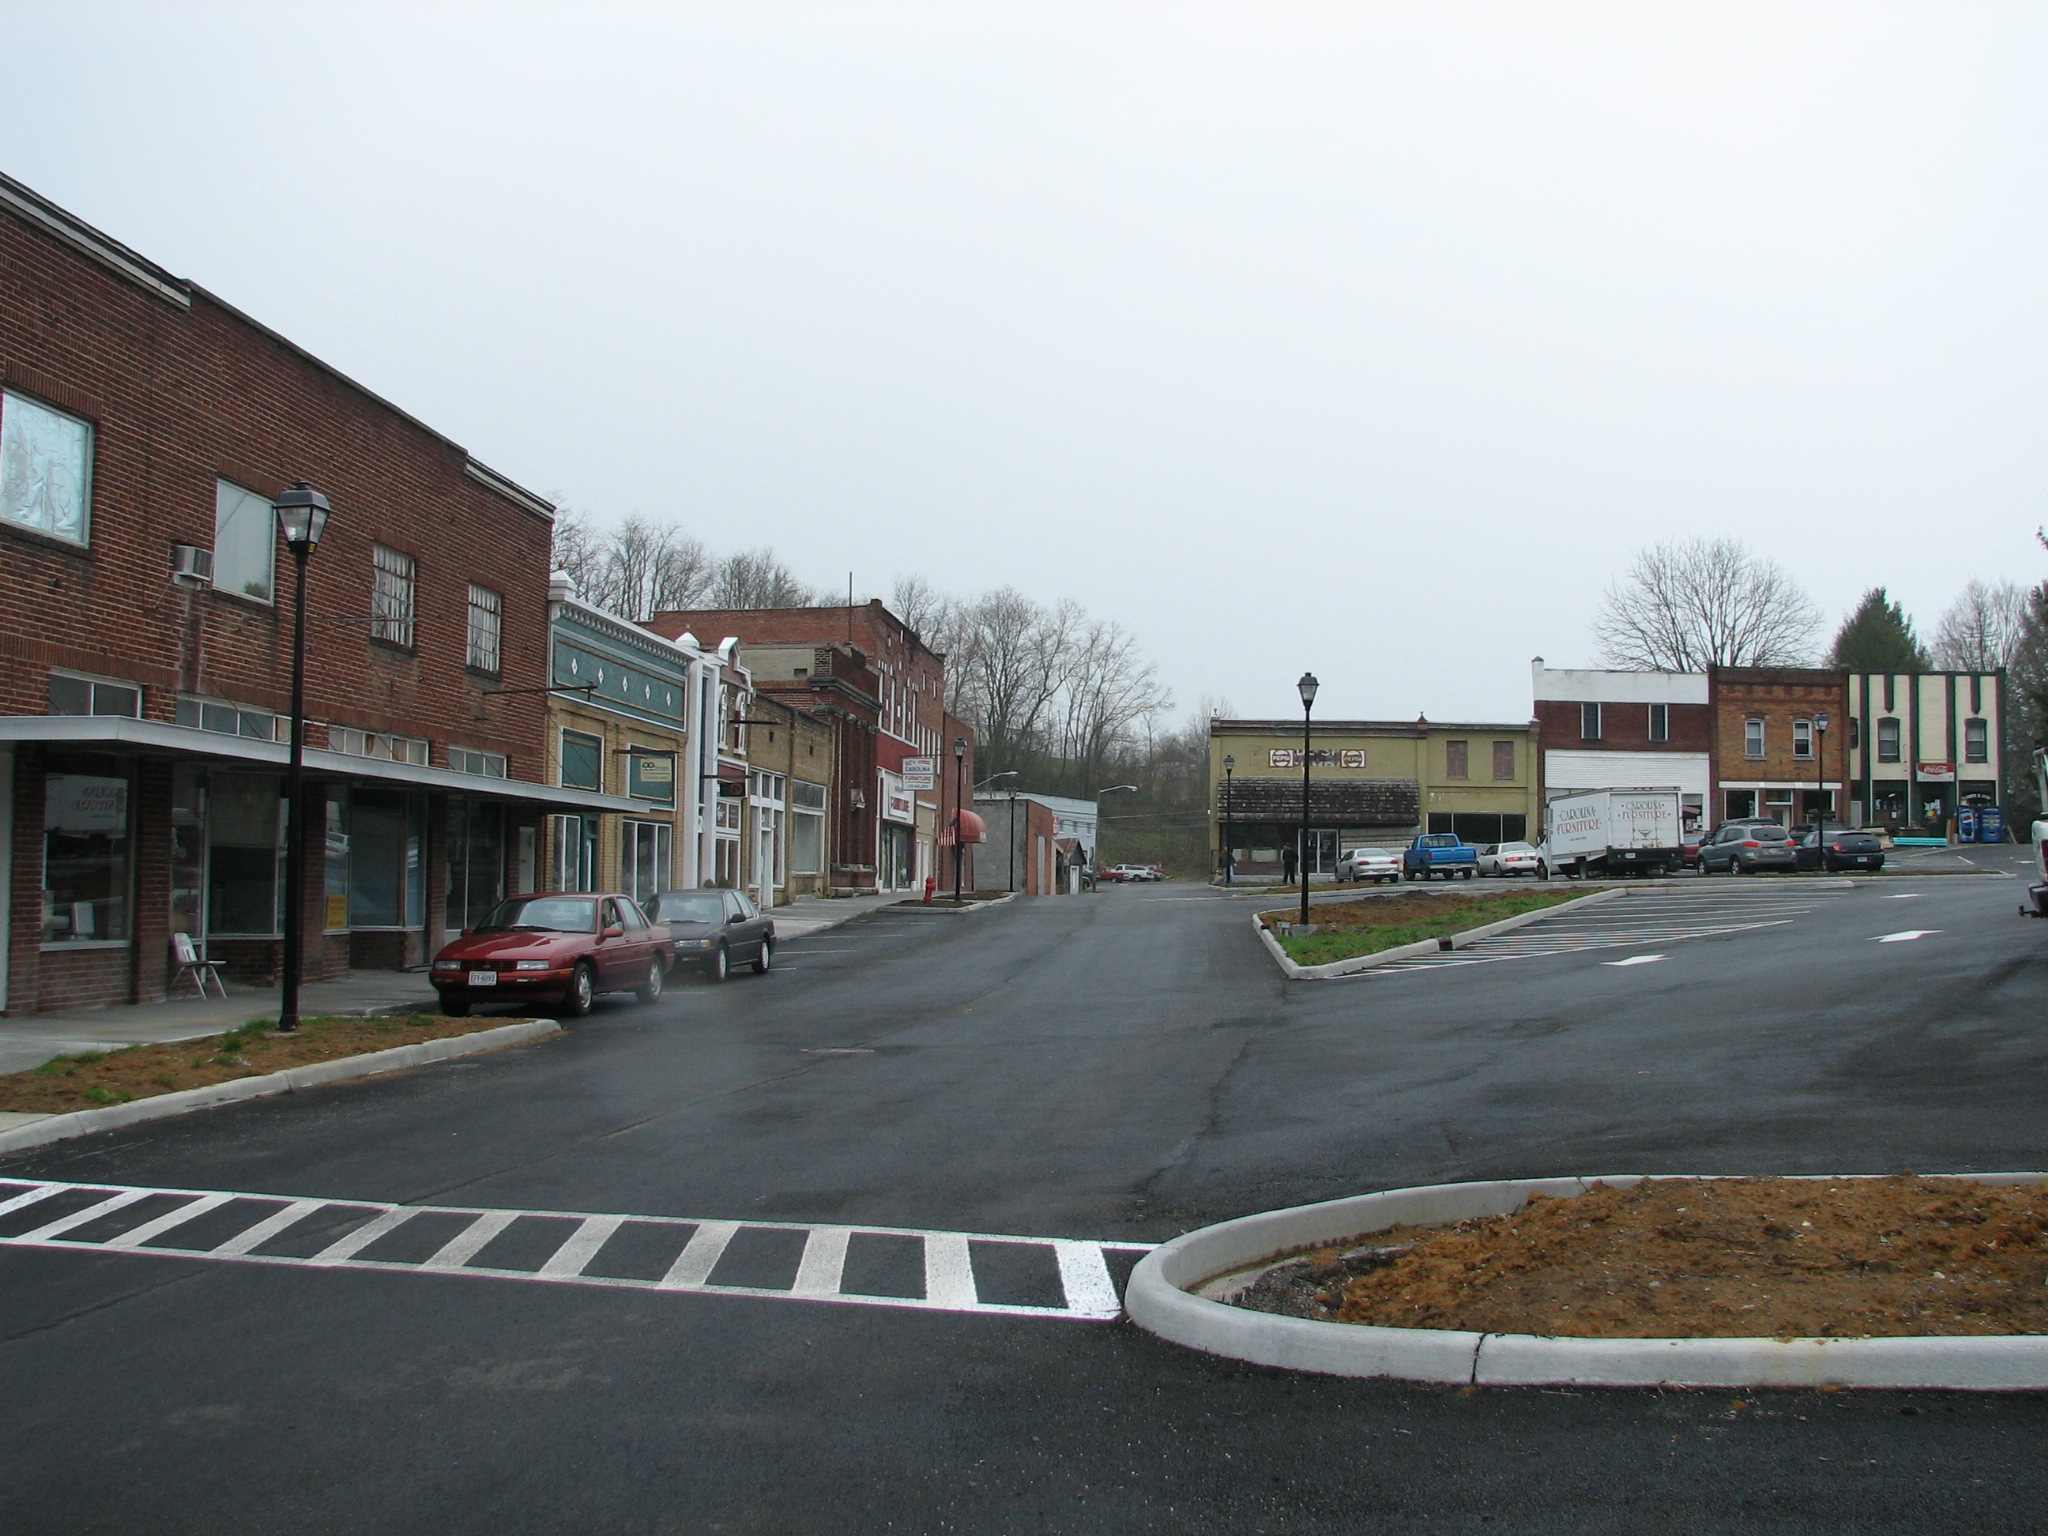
[1439, 854]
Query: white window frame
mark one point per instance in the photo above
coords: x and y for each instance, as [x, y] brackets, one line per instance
[573, 864]
[1977, 739]
[661, 834]
[1660, 722]
[1891, 725]
[394, 595]
[383, 746]
[232, 504]
[488, 765]
[1802, 739]
[200, 709]
[94, 685]
[1755, 744]
[486, 629]
[15, 441]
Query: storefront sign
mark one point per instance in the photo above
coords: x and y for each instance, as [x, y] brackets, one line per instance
[1320, 757]
[79, 802]
[650, 775]
[920, 772]
[1935, 773]
[898, 801]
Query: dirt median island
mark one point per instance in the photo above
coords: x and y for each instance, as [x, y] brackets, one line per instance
[96, 1079]
[1700, 1258]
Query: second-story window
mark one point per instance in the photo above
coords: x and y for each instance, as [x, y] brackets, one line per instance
[1457, 760]
[1589, 722]
[582, 761]
[74, 695]
[469, 760]
[486, 620]
[1660, 722]
[392, 593]
[45, 468]
[1503, 761]
[1976, 741]
[1802, 738]
[244, 543]
[1752, 738]
[1888, 740]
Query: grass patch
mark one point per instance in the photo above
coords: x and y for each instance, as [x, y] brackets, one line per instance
[1348, 929]
[91, 1079]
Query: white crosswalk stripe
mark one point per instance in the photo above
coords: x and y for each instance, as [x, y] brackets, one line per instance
[939, 1271]
[1637, 920]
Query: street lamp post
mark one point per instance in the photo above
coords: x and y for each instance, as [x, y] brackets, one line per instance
[302, 517]
[959, 844]
[1307, 688]
[1229, 863]
[1820, 769]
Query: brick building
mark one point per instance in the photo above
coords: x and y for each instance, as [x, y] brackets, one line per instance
[1781, 741]
[1626, 730]
[145, 426]
[884, 691]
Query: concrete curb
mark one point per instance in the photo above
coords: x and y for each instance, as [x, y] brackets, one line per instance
[84, 1122]
[1358, 963]
[1161, 1299]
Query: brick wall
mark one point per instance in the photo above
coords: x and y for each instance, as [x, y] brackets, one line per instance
[1625, 727]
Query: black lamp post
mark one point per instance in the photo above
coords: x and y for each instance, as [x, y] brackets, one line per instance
[1229, 864]
[1307, 688]
[1820, 770]
[959, 845]
[302, 516]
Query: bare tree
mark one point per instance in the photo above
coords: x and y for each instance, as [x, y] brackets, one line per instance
[1981, 627]
[578, 547]
[1687, 605]
[1109, 691]
[754, 578]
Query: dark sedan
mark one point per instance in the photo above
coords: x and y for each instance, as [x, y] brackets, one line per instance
[1838, 848]
[716, 930]
[558, 949]
[1744, 847]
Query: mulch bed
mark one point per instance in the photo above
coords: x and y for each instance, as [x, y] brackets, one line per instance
[1700, 1258]
[95, 1079]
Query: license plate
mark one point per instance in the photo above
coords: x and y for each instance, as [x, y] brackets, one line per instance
[483, 978]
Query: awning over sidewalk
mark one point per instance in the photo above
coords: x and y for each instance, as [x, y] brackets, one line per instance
[121, 733]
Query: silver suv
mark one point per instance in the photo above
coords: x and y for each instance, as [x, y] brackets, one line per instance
[1744, 847]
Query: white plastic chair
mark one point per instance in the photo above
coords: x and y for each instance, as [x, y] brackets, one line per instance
[191, 963]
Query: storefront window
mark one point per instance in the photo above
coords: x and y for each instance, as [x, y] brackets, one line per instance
[645, 863]
[85, 857]
[188, 850]
[476, 860]
[334, 914]
[245, 849]
[385, 873]
[575, 853]
[806, 844]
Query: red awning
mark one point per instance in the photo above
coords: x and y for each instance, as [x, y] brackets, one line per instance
[972, 830]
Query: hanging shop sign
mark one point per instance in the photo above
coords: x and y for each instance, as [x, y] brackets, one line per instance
[920, 773]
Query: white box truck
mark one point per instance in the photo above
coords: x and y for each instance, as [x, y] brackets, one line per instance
[1612, 832]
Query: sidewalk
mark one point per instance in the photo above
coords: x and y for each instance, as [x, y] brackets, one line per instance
[814, 914]
[31, 1039]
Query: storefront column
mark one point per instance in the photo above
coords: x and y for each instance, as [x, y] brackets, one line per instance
[150, 836]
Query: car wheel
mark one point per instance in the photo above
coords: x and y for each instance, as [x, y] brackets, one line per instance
[582, 991]
[765, 959]
[1468, 874]
[650, 990]
[719, 966]
[454, 1006]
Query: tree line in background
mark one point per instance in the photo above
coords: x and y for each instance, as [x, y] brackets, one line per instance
[1061, 702]
[1686, 605]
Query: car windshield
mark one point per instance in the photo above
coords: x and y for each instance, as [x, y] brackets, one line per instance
[548, 914]
[690, 907]
[1371, 853]
[1516, 848]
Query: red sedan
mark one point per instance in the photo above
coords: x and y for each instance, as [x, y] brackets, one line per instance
[559, 949]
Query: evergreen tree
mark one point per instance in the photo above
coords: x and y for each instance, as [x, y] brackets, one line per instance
[1878, 637]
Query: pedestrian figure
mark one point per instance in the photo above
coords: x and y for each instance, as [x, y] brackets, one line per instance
[1287, 862]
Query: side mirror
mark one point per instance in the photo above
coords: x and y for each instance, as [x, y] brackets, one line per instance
[467, 932]
[613, 932]
[735, 918]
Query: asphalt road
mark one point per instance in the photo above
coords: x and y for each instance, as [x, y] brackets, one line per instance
[1120, 1066]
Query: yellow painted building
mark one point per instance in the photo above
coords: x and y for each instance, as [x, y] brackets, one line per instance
[1371, 783]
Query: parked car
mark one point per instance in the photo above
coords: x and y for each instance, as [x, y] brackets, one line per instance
[716, 930]
[1379, 865]
[1837, 848]
[1133, 872]
[559, 948]
[1507, 859]
[1439, 853]
[1744, 847]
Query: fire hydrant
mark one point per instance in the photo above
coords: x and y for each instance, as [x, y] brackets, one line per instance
[931, 883]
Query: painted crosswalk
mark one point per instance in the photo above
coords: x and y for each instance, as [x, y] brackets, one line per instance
[1050, 1277]
[1638, 919]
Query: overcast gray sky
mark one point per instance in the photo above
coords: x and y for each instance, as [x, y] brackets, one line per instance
[1368, 338]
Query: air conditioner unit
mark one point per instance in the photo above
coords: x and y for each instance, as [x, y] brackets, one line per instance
[191, 566]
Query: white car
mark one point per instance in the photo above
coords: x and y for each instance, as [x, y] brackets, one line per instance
[1507, 859]
[1376, 864]
[1123, 872]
